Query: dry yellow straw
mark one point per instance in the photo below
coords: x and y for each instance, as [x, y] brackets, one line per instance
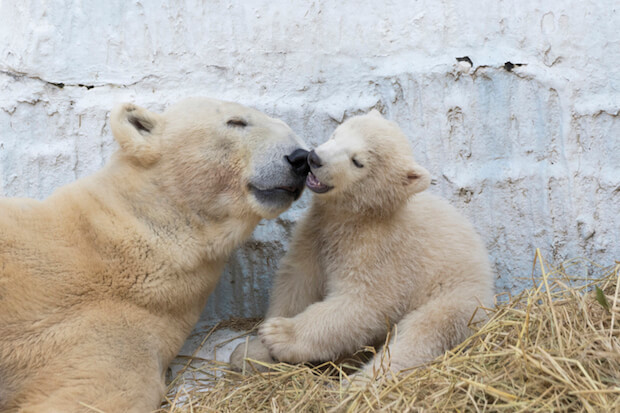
[554, 347]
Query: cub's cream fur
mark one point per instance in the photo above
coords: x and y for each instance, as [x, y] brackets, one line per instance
[373, 252]
[101, 283]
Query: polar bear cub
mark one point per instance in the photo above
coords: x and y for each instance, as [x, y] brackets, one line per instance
[373, 252]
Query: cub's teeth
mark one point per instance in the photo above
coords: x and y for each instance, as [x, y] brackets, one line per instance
[313, 179]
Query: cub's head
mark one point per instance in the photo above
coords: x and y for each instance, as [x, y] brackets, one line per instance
[366, 165]
[214, 157]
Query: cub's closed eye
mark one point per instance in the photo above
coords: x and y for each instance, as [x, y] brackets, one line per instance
[357, 163]
[237, 123]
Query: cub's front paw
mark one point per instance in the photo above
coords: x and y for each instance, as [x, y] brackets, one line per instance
[278, 335]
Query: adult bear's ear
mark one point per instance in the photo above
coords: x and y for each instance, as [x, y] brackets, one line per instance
[417, 179]
[138, 132]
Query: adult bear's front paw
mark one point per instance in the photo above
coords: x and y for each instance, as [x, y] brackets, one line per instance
[254, 349]
[278, 335]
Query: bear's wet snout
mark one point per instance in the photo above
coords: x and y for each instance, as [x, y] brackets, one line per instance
[314, 161]
[298, 160]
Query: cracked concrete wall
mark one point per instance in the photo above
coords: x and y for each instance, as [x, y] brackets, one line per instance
[513, 106]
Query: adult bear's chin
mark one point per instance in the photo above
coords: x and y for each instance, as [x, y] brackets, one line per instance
[278, 198]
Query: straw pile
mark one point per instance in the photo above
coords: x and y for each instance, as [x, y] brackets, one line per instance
[555, 347]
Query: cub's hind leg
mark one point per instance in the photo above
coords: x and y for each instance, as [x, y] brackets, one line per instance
[425, 333]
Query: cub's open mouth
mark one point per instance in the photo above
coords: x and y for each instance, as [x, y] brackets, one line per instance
[315, 185]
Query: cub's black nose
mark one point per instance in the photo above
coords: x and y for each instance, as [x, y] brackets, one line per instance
[298, 160]
[314, 160]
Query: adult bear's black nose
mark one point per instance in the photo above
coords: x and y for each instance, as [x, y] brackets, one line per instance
[314, 161]
[299, 161]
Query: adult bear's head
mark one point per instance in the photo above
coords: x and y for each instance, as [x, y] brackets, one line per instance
[214, 158]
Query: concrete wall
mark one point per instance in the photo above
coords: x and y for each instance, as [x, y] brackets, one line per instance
[525, 141]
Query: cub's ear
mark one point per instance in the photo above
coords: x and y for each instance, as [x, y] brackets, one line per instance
[417, 179]
[138, 132]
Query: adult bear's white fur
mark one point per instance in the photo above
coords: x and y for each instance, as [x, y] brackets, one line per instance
[101, 283]
[372, 252]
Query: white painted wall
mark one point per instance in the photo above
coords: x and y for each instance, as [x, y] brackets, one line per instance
[531, 155]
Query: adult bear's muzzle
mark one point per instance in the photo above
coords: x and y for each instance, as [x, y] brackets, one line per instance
[280, 180]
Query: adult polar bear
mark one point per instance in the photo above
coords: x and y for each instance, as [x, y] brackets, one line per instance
[373, 250]
[101, 283]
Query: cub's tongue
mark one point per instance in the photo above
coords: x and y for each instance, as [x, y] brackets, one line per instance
[315, 185]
